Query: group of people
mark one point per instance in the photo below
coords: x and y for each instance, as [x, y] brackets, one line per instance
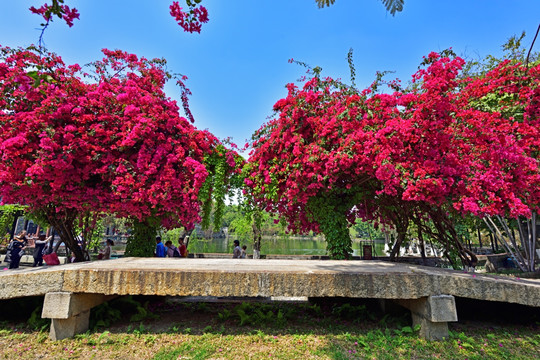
[239, 253]
[17, 246]
[169, 250]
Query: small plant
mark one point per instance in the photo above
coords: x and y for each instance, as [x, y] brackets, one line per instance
[350, 312]
[245, 319]
[207, 329]
[43, 334]
[143, 313]
[150, 339]
[314, 310]
[224, 315]
[105, 338]
[103, 316]
[261, 314]
[174, 329]
[35, 321]
[141, 329]
[407, 330]
[203, 307]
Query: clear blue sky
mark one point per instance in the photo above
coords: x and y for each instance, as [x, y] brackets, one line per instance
[237, 66]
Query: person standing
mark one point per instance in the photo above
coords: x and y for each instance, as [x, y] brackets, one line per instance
[172, 251]
[16, 250]
[39, 247]
[243, 252]
[182, 247]
[237, 252]
[105, 254]
[160, 248]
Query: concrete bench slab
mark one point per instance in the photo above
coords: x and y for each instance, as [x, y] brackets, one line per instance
[427, 292]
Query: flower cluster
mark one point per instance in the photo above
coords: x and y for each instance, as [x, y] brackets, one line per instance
[192, 20]
[471, 143]
[62, 11]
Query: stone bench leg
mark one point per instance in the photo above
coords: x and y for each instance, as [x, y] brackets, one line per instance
[432, 313]
[69, 312]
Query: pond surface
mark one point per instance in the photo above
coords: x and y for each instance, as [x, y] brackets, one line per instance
[278, 246]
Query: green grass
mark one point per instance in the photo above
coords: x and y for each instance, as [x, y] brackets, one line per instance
[325, 330]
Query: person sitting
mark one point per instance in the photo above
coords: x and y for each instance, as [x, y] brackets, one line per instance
[172, 251]
[160, 248]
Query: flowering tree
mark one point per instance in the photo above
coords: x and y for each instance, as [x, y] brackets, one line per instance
[190, 20]
[114, 143]
[516, 101]
[333, 153]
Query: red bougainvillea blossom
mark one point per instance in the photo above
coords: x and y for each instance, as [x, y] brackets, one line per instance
[469, 143]
[114, 144]
[62, 11]
[192, 20]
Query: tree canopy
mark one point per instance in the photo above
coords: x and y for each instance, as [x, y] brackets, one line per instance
[112, 143]
[334, 153]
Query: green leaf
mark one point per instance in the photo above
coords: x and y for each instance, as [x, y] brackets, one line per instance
[33, 74]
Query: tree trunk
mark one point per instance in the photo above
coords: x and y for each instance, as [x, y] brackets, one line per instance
[256, 242]
[336, 231]
[394, 255]
[64, 225]
[142, 241]
[479, 237]
[522, 252]
[257, 233]
[422, 246]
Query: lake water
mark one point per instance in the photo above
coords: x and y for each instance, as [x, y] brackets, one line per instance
[278, 246]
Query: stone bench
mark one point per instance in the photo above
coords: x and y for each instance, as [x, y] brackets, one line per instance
[72, 290]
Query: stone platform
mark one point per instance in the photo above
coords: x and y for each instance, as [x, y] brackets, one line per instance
[72, 290]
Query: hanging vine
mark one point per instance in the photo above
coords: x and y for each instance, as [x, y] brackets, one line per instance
[223, 166]
[141, 243]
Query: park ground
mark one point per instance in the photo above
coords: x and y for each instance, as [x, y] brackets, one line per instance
[165, 328]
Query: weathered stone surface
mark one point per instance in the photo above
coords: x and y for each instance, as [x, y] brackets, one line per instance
[66, 328]
[484, 287]
[64, 305]
[265, 278]
[432, 313]
[29, 282]
[436, 308]
[73, 289]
